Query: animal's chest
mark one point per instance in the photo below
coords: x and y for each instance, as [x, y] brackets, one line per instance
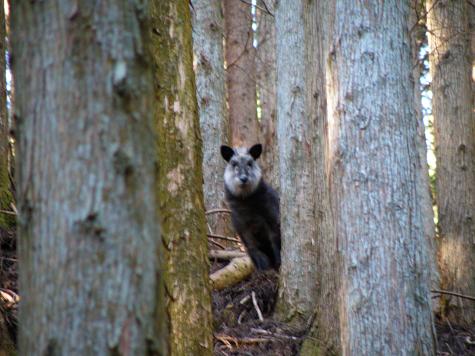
[249, 216]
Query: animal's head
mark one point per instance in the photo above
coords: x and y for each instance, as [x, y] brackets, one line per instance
[242, 174]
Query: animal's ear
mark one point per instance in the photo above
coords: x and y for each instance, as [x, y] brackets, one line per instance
[227, 152]
[255, 151]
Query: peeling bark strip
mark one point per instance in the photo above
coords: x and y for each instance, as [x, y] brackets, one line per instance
[88, 233]
[454, 123]
[385, 306]
[182, 211]
[208, 28]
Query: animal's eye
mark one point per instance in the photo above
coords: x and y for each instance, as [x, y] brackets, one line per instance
[234, 164]
[249, 164]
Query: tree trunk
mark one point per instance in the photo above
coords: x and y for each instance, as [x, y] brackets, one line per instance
[208, 28]
[417, 33]
[373, 182]
[180, 181]
[267, 87]
[241, 73]
[87, 234]
[454, 123]
[6, 220]
[296, 129]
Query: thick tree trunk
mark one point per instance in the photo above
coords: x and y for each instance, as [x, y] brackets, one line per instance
[241, 73]
[180, 181]
[267, 89]
[88, 235]
[208, 28]
[296, 129]
[384, 293]
[6, 220]
[454, 122]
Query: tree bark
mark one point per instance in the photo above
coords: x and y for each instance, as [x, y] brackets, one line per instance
[87, 230]
[6, 221]
[454, 123]
[373, 175]
[267, 92]
[417, 32]
[180, 181]
[240, 73]
[296, 130]
[208, 34]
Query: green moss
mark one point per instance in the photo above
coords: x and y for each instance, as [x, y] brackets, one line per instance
[179, 184]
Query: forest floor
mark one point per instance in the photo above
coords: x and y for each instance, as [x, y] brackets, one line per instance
[238, 330]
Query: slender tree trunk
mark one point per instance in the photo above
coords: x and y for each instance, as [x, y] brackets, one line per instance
[267, 87]
[454, 122]
[87, 231]
[417, 33]
[241, 73]
[180, 181]
[324, 336]
[296, 129]
[6, 221]
[208, 34]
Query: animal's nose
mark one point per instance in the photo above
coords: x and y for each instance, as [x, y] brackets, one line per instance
[243, 179]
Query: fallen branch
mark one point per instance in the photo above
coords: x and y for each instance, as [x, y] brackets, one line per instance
[225, 254]
[234, 272]
[256, 306]
[222, 237]
[226, 339]
[469, 297]
[7, 212]
[217, 244]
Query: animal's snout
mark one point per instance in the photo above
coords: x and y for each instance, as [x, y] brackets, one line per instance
[243, 179]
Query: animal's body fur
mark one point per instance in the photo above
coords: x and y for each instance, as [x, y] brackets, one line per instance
[254, 206]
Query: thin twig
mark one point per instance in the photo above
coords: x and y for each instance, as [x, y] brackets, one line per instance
[453, 293]
[225, 339]
[215, 211]
[9, 259]
[217, 244]
[222, 237]
[256, 306]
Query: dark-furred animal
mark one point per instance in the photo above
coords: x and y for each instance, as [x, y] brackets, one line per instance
[254, 206]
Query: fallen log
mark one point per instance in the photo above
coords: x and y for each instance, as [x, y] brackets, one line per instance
[237, 270]
[225, 255]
